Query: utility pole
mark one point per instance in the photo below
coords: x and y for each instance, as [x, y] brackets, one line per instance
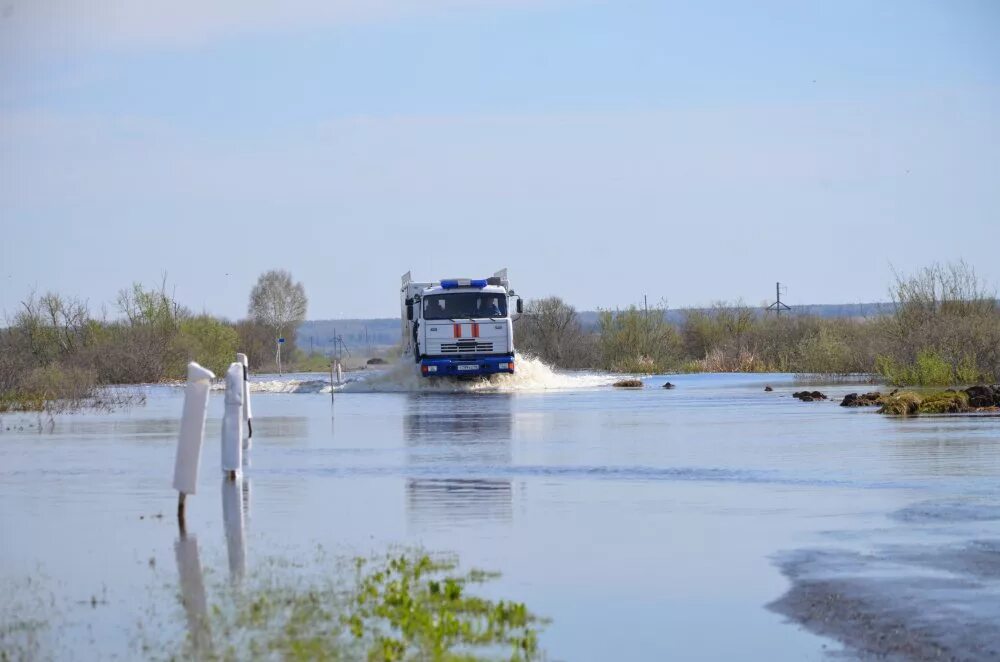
[777, 306]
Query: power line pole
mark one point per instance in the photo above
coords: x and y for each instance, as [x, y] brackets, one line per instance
[777, 306]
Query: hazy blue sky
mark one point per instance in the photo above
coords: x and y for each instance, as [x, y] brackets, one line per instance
[600, 150]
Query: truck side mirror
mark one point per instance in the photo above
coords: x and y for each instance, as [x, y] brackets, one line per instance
[409, 313]
[520, 305]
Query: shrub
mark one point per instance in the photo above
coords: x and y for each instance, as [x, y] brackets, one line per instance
[258, 343]
[634, 340]
[824, 352]
[948, 313]
[207, 340]
[929, 369]
[550, 329]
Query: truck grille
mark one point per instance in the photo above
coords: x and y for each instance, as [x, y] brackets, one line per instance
[466, 347]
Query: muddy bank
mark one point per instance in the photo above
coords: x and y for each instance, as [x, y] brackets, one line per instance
[900, 603]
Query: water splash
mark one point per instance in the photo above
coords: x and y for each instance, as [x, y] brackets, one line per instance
[290, 386]
[531, 375]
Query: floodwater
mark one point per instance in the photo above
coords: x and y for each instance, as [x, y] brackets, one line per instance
[645, 524]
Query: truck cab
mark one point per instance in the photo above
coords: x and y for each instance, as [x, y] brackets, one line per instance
[460, 326]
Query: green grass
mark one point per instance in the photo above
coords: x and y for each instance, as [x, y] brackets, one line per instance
[20, 401]
[929, 369]
[394, 608]
[908, 403]
[947, 402]
[310, 363]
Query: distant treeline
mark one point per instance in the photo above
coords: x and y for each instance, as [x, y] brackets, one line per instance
[591, 319]
[942, 327]
[369, 336]
[54, 348]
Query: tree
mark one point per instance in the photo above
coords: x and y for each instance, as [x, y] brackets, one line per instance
[635, 340]
[278, 303]
[551, 331]
[209, 341]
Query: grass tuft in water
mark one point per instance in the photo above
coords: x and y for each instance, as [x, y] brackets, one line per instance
[628, 383]
[399, 607]
[909, 403]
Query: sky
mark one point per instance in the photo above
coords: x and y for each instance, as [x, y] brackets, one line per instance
[602, 151]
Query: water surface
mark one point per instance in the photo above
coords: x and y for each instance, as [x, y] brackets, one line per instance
[645, 523]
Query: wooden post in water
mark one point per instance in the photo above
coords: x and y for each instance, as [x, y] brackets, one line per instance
[181, 522]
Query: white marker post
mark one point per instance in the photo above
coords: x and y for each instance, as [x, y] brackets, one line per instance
[232, 422]
[192, 434]
[247, 414]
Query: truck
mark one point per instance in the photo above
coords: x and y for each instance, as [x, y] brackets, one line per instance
[459, 326]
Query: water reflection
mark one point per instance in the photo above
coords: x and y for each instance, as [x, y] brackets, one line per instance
[281, 427]
[235, 505]
[458, 500]
[193, 598]
[450, 418]
[944, 446]
[453, 435]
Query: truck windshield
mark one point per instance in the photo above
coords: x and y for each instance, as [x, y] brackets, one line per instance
[464, 305]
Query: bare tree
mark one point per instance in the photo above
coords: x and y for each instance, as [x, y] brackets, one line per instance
[551, 330]
[278, 303]
[52, 325]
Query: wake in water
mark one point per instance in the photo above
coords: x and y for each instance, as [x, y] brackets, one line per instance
[531, 375]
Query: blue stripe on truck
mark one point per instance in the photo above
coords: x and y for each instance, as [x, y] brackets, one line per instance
[485, 365]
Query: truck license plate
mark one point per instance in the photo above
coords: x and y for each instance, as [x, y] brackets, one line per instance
[468, 367]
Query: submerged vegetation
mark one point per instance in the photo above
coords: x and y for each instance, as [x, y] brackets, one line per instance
[406, 605]
[628, 383]
[409, 606]
[908, 403]
[943, 329]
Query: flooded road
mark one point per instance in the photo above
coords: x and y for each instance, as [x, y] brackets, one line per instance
[644, 523]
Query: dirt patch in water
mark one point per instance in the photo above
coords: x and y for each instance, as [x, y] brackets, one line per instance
[906, 604]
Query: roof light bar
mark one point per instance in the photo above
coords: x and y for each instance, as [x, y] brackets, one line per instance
[452, 283]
